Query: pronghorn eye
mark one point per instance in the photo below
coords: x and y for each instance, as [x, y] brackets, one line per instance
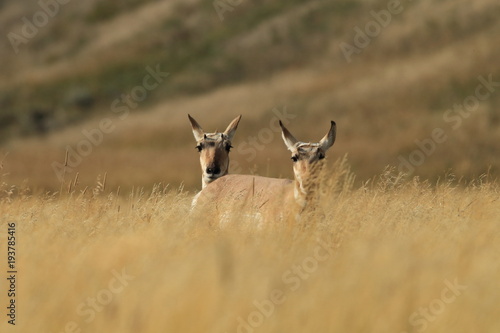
[321, 156]
[228, 148]
[199, 147]
[295, 158]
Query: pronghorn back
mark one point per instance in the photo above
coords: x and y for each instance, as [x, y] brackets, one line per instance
[247, 197]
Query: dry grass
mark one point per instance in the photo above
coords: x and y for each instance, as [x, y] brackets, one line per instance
[388, 249]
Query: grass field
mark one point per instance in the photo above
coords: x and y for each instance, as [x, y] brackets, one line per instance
[394, 255]
[98, 166]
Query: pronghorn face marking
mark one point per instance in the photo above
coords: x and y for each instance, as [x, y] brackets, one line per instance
[306, 155]
[214, 150]
[214, 155]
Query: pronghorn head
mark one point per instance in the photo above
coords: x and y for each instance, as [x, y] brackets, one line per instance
[214, 150]
[306, 155]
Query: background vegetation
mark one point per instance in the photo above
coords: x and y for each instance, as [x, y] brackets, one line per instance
[263, 55]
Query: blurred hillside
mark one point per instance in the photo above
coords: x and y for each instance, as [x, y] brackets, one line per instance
[390, 75]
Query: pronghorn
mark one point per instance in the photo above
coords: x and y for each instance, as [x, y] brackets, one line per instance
[268, 198]
[214, 150]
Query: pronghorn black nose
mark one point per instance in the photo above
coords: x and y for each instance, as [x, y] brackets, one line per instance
[213, 170]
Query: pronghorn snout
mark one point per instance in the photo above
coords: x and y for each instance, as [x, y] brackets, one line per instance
[213, 170]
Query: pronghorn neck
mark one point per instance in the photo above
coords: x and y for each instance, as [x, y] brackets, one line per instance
[303, 192]
[306, 185]
[299, 193]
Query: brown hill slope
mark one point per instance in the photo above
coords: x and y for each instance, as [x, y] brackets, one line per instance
[398, 100]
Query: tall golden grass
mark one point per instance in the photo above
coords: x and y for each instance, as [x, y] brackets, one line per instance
[424, 62]
[394, 255]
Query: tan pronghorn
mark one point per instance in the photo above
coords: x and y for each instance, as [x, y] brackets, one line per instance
[265, 198]
[214, 150]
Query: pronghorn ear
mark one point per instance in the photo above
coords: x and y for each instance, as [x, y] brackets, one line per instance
[289, 139]
[197, 130]
[231, 129]
[329, 138]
